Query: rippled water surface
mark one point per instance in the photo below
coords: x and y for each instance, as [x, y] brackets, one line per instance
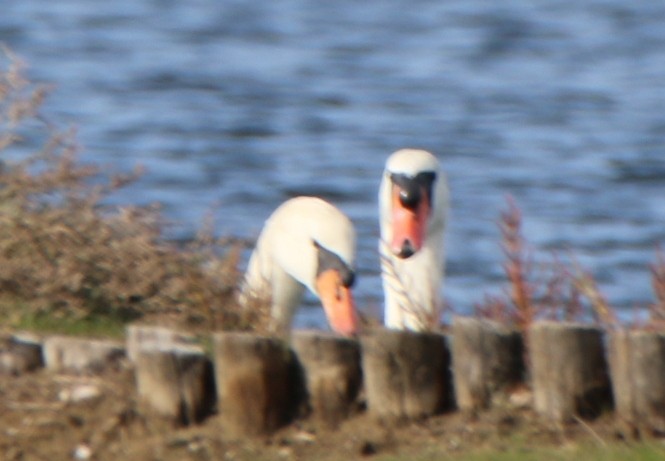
[239, 105]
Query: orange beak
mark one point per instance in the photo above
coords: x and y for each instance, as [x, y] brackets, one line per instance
[337, 302]
[409, 225]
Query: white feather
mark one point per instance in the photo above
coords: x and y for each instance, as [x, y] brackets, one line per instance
[412, 286]
[284, 260]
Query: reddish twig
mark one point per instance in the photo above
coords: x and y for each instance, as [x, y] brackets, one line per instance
[657, 308]
[517, 266]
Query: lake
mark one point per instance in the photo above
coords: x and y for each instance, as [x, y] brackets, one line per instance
[234, 106]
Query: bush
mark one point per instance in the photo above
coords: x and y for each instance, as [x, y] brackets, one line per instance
[64, 254]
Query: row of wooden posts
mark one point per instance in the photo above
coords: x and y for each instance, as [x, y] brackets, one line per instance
[258, 384]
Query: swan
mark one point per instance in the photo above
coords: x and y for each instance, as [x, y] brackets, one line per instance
[305, 243]
[413, 203]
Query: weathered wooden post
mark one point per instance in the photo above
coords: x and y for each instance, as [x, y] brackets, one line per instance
[569, 370]
[20, 353]
[63, 353]
[637, 365]
[488, 359]
[176, 381]
[407, 374]
[256, 384]
[333, 377]
[154, 337]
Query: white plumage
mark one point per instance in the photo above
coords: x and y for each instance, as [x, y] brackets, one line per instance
[303, 235]
[413, 203]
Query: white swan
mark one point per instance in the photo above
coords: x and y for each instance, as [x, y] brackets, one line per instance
[306, 242]
[413, 203]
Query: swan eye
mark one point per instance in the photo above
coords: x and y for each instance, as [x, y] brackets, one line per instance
[410, 196]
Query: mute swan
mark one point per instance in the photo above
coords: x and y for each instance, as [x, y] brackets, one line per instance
[306, 242]
[413, 201]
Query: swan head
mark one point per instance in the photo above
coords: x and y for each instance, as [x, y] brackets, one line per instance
[314, 243]
[333, 283]
[411, 198]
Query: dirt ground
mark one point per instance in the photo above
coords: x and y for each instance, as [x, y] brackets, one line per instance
[49, 416]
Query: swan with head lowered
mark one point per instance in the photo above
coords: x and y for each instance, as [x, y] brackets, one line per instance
[306, 243]
[413, 202]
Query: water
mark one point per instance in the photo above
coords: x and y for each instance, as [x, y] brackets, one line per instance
[236, 106]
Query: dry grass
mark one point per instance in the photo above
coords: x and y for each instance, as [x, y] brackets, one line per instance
[657, 308]
[64, 254]
[40, 423]
[550, 289]
[428, 319]
[586, 285]
[518, 264]
[555, 289]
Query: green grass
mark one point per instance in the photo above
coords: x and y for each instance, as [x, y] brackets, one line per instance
[101, 326]
[611, 452]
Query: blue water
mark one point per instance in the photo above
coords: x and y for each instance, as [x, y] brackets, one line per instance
[235, 106]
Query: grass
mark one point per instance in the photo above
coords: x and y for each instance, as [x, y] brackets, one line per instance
[586, 452]
[95, 326]
[552, 288]
[582, 453]
[536, 288]
[657, 308]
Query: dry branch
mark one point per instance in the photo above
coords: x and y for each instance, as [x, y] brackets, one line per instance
[517, 266]
[77, 258]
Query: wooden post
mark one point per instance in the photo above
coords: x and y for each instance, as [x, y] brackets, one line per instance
[20, 353]
[487, 360]
[62, 353]
[333, 377]
[407, 374]
[176, 381]
[256, 384]
[155, 337]
[570, 373]
[637, 365]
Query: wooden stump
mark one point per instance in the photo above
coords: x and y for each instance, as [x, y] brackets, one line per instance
[637, 365]
[62, 353]
[256, 383]
[176, 381]
[570, 373]
[407, 374]
[20, 353]
[155, 337]
[333, 377]
[487, 360]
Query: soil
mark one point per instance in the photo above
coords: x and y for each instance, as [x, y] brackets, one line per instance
[49, 416]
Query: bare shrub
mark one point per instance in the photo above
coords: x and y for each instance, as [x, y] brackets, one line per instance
[63, 253]
[517, 266]
[545, 289]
